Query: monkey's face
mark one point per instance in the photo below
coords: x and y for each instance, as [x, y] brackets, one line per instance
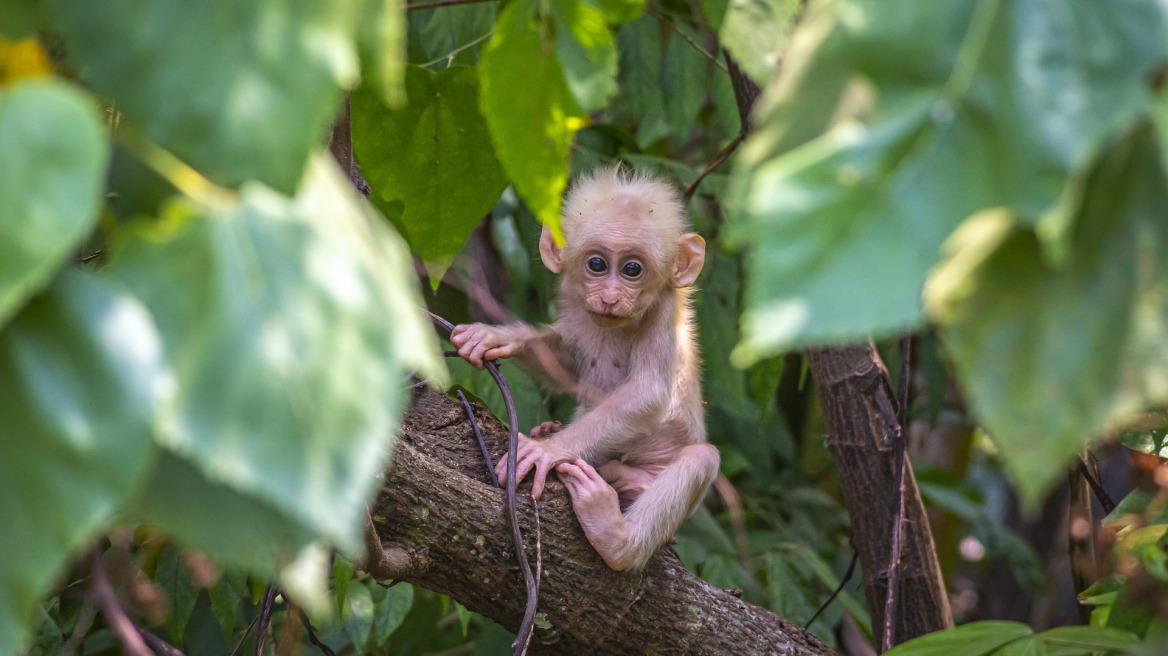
[616, 283]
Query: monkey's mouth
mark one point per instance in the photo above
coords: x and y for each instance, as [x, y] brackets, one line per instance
[606, 320]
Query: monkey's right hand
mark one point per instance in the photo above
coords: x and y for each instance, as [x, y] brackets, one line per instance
[478, 342]
[541, 455]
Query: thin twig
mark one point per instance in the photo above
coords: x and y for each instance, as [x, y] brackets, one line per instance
[265, 619]
[479, 438]
[714, 163]
[528, 624]
[441, 3]
[312, 636]
[538, 558]
[159, 645]
[892, 599]
[246, 632]
[118, 621]
[1097, 487]
[838, 589]
[685, 37]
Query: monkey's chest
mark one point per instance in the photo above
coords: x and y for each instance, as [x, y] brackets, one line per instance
[603, 372]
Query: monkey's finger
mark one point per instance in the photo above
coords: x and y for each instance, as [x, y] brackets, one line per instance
[591, 474]
[499, 352]
[501, 470]
[570, 476]
[458, 335]
[524, 467]
[541, 473]
[476, 354]
[466, 351]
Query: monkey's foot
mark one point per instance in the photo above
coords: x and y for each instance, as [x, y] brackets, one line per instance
[598, 509]
[545, 429]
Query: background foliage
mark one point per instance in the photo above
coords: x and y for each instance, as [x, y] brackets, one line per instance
[206, 334]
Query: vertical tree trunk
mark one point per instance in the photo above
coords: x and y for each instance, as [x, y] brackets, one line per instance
[859, 409]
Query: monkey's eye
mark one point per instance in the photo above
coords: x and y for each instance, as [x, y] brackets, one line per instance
[631, 269]
[597, 265]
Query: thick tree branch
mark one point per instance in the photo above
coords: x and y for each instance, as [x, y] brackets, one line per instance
[439, 506]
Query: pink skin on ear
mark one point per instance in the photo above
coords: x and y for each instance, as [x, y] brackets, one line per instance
[549, 252]
[691, 255]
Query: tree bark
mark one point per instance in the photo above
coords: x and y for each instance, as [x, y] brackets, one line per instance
[859, 409]
[440, 524]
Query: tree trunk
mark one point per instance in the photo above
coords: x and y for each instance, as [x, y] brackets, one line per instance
[859, 409]
[441, 525]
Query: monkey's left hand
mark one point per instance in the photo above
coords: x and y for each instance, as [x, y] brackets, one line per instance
[540, 455]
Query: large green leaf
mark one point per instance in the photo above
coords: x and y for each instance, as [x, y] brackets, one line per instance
[755, 31]
[20, 19]
[381, 39]
[684, 81]
[434, 155]
[1051, 356]
[529, 109]
[291, 338]
[975, 639]
[450, 35]
[211, 515]
[51, 169]
[955, 107]
[239, 90]
[641, 57]
[587, 52]
[81, 372]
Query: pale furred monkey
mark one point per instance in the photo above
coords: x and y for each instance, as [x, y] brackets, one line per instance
[624, 336]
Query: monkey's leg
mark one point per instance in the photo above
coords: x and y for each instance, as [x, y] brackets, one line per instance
[672, 496]
[628, 541]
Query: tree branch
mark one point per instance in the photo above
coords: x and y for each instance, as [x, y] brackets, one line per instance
[438, 502]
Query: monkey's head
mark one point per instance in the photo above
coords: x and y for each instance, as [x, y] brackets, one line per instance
[625, 245]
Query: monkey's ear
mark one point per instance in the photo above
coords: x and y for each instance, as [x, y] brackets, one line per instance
[549, 252]
[691, 255]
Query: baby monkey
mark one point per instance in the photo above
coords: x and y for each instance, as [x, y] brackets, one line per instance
[624, 343]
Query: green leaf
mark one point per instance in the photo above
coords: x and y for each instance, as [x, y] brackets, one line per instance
[237, 90]
[755, 32]
[1043, 387]
[530, 112]
[225, 596]
[81, 368]
[343, 570]
[450, 35]
[842, 231]
[213, 517]
[684, 81]
[392, 606]
[175, 580]
[434, 155]
[1086, 639]
[360, 619]
[617, 12]
[586, 51]
[641, 59]
[291, 342]
[381, 40]
[974, 639]
[20, 19]
[51, 170]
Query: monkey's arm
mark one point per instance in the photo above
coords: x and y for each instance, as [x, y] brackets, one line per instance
[538, 349]
[633, 409]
